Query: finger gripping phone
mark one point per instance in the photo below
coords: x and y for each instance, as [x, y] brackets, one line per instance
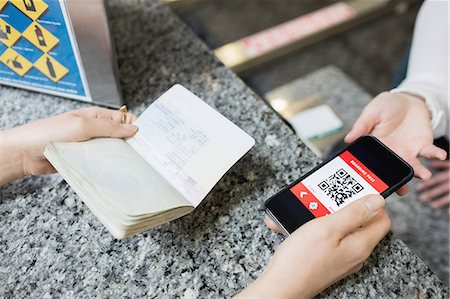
[364, 167]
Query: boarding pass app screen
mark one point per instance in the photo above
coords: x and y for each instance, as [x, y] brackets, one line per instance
[336, 184]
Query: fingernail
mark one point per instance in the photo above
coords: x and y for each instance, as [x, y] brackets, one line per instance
[130, 127]
[425, 176]
[374, 203]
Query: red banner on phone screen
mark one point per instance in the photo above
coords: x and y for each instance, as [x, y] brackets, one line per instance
[309, 200]
[363, 171]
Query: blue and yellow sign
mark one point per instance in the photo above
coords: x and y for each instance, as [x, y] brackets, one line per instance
[37, 49]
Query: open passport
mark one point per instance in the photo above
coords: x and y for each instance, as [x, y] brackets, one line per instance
[181, 150]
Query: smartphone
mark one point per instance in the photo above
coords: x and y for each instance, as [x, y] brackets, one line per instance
[366, 166]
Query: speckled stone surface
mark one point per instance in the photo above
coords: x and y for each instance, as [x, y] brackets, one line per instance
[52, 246]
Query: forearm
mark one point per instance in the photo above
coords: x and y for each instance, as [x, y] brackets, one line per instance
[427, 67]
[269, 287]
[11, 158]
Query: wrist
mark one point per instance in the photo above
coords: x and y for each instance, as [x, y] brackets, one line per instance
[11, 157]
[266, 286]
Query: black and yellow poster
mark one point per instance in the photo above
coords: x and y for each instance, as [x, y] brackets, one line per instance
[38, 50]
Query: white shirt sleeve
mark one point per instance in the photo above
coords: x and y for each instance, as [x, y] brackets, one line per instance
[427, 74]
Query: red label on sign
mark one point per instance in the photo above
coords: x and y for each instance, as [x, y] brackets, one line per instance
[364, 172]
[309, 200]
[296, 29]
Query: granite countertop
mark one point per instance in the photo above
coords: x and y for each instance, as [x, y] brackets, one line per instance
[52, 246]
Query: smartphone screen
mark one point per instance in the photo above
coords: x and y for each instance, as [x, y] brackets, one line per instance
[362, 168]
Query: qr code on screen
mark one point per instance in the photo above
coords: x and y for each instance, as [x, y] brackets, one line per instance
[340, 186]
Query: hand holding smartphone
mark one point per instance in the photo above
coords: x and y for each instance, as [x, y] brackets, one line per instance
[364, 167]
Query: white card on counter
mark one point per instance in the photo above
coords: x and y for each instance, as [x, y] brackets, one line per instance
[316, 122]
